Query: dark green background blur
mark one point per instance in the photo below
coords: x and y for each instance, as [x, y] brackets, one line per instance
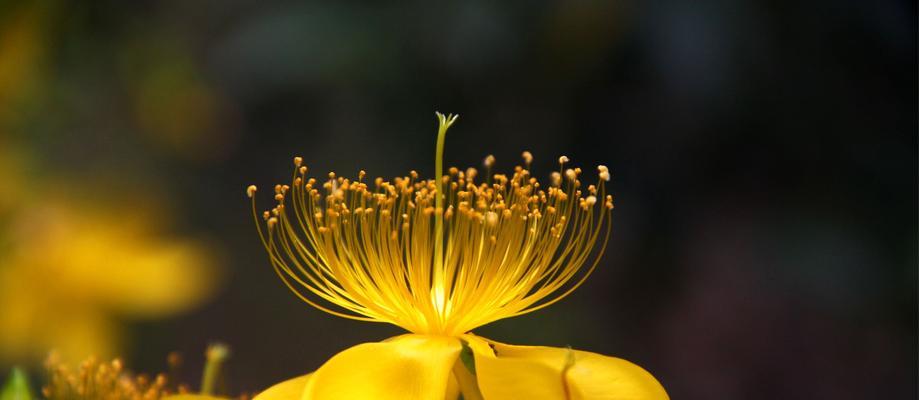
[764, 160]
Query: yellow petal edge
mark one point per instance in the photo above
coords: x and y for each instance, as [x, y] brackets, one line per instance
[291, 389]
[419, 367]
[536, 372]
[407, 367]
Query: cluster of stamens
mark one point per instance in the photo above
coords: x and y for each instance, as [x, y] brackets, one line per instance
[370, 249]
[97, 380]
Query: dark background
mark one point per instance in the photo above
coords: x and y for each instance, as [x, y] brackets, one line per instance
[764, 160]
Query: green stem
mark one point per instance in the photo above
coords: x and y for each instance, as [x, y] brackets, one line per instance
[16, 386]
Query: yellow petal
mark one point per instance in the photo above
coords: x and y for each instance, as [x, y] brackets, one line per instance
[406, 367]
[533, 372]
[291, 389]
[193, 397]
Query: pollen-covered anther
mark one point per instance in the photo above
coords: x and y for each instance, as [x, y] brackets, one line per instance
[471, 174]
[491, 218]
[298, 161]
[250, 191]
[570, 174]
[563, 160]
[272, 222]
[556, 179]
[488, 161]
[604, 172]
[527, 158]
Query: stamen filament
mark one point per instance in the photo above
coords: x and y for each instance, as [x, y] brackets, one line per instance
[440, 256]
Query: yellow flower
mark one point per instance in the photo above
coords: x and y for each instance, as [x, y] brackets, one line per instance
[68, 271]
[439, 266]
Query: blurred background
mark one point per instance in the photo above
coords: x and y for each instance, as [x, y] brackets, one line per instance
[764, 160]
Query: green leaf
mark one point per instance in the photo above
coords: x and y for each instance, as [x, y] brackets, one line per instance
[16, 386]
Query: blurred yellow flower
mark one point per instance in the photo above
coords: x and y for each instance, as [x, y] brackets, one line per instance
[70, 270]
[440, 258]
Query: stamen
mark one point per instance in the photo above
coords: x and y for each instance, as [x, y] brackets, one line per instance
[488, 161]
[527, 158]
[442, 255]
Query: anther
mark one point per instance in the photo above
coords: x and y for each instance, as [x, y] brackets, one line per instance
[604, 172]
[298, 161]
[562, 159]
[272, 222]
[527, 157]
[570, 174]
[489, 161]
[471, 173]
[556, 178]
[250, 191]
[492, 218]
